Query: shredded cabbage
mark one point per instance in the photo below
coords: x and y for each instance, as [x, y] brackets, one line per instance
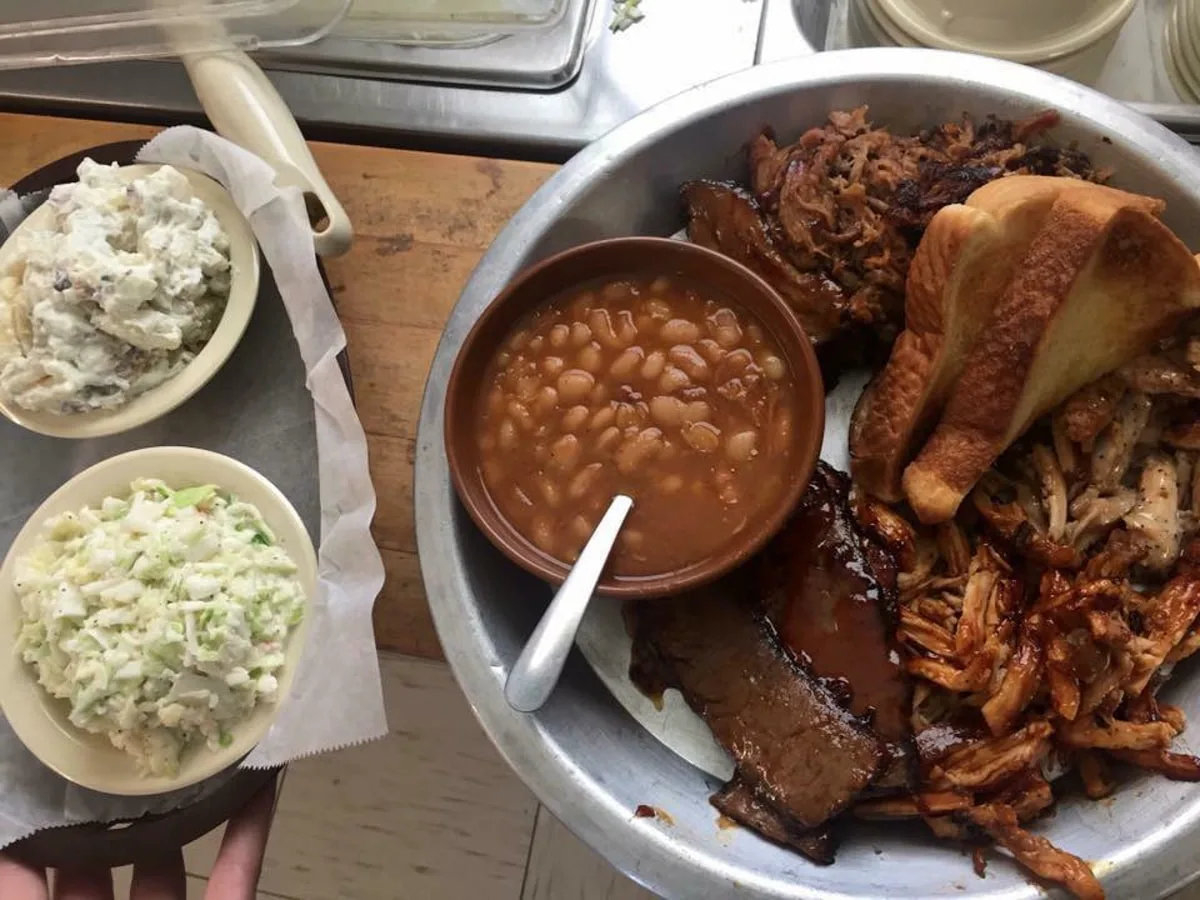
[625, 14]
[162, 617]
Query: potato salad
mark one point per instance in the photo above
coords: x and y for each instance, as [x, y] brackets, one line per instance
[160, 617]
[119, 294]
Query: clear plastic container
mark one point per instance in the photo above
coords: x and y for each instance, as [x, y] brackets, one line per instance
[446, 21]
[63, 32]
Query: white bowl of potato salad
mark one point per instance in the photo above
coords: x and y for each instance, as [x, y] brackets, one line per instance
[152, 614]
[121, 296]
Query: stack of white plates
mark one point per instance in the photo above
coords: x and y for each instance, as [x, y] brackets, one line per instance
[1068, 37]
[1182, 55]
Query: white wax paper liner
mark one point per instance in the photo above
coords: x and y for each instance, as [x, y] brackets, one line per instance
[336, 699]
[337, 696]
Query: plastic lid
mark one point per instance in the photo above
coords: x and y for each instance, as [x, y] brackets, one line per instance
[405, 20]
[62, 32]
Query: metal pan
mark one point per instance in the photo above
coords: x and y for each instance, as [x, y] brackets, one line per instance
[589, 760]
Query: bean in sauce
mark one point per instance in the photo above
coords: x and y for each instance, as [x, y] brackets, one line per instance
[657, 387]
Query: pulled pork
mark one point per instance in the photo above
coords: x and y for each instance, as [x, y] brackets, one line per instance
[843, 208]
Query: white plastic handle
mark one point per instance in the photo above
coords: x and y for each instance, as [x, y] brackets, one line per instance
[244, 106]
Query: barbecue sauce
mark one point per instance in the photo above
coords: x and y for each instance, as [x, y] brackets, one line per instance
[831, 607]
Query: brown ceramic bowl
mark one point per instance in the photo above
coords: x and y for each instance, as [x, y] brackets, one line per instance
[615, 258]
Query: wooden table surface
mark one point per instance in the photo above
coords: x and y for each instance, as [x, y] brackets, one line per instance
[422, 221]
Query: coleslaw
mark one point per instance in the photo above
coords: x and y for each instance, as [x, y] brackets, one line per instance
[161, 617]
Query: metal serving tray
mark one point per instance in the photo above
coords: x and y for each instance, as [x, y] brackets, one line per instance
[588, 759]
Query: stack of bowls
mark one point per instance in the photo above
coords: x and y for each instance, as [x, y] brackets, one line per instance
[1068, 37]
[1182, 41]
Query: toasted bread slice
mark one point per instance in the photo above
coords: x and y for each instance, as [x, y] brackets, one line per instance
[1102, 280]
[958, 273]
[960, 270]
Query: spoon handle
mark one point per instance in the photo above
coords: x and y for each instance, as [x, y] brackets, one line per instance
[537, 670]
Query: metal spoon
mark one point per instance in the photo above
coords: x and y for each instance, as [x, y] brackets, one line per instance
[537, 670]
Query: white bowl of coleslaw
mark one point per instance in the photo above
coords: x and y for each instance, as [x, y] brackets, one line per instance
[152, 613]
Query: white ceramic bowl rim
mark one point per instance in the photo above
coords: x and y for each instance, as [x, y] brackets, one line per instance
[1183, 42]
[1179, 71]
[908, 19]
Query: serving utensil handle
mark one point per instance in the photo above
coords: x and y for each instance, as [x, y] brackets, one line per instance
[540, 664]
[244, 106]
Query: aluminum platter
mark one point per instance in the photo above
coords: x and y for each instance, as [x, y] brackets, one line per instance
[586, 755]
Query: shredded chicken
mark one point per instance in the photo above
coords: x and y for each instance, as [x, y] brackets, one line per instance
[1159, 374]
[1022, 677]
[1043, 619]
[1114, 448]
[1029, 795]
[1090, 410]
[1155, 518]
[1094, 514]
[1095, 774]
[1115, 735]
[1036, 853]
[998, 500]
[1167, 620]
[930, 803]
[989, 763]
[1176, 766]
[1054, 491]
[893, 529]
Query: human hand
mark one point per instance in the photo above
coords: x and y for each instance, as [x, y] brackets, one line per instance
[234, 875]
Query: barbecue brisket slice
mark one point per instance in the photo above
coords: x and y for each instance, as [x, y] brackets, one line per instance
[830, 592]
[801, 758]
[726, 218]
[740, 802]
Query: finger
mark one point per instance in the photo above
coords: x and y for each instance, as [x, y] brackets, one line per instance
[235, 874]
[83, 884]
[22, 882]
[163, 879]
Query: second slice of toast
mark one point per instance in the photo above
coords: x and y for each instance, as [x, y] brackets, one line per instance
[1102, 280]
[959, 272]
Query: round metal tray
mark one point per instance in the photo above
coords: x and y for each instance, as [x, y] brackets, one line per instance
[149, 837]
[583, 754]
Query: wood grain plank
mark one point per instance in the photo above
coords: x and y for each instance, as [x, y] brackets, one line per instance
[30, 142]
[406, 283]
[423, 220]
[431, 812]
[403, 195]
[562, 867]
[403, 622]
[392, 473]
[398, 195]
[389, 364]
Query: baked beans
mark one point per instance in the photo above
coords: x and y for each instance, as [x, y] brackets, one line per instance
[656, 387]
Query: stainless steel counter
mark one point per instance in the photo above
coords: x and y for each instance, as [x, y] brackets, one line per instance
[568, 90]
[679, 44]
